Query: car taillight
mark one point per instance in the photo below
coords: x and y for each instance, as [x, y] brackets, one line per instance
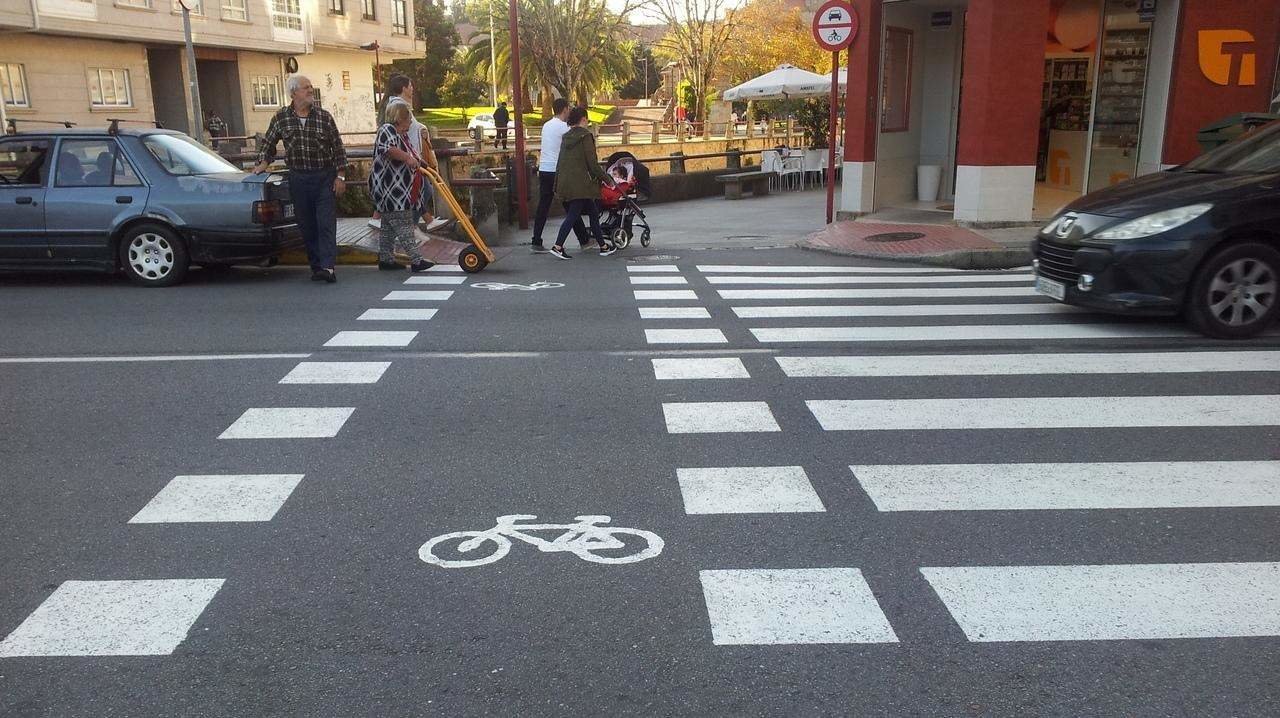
[267, 211]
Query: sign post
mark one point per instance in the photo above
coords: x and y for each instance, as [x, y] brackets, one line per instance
[835, 25]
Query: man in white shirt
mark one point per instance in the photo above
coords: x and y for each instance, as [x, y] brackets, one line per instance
[400, 90]
[553, 131]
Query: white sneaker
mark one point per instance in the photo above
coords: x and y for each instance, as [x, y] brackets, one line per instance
[376, 224]
[438, 224]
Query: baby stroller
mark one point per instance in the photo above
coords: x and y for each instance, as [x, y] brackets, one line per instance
[621, 215]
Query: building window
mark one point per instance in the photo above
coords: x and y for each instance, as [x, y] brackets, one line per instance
[368, 9]
[197, 7]
[895, 95]
[266, 91]
[143, 4]
[399, 21]
[13, 85]
[336, 8]
[109, 88]
[235, 10]
[286, 14]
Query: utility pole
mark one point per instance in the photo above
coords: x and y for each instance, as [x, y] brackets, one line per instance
[646, 78]
[197, 124]
[493, 62]
[522, 178]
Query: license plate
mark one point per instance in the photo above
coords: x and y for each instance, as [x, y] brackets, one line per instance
[288, 210]
[1048, 287]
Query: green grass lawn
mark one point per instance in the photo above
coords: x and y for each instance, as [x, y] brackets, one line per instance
[451, 118]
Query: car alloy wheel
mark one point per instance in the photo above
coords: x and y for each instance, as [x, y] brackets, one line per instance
[1243, 292]
[153, 255]
[150, 256]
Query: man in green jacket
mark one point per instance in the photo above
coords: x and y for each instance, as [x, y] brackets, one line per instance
[578, 180]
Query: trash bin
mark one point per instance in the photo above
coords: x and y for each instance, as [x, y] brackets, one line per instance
[928, 179]
[1216, 134]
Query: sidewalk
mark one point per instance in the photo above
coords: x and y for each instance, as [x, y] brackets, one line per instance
[943, 245]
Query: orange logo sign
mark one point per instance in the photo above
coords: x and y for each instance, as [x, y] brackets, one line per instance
[1225, 58]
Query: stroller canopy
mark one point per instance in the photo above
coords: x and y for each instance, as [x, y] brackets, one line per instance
[639, 173]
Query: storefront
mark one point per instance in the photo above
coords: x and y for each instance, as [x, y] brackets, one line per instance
[1024, 106]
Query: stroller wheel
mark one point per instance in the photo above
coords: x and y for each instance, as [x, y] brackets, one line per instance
[644, 238]
[621, 238]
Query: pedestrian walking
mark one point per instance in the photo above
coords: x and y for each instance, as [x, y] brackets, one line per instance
[501, 117]
[578, 180]
[553, 132]
[398, 189]
[400, 90]
[317, 162]
[216, 126]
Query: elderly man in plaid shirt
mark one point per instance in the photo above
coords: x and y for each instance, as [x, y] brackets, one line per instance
[317, 161]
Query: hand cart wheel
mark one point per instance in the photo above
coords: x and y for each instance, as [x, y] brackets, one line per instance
[471, 260]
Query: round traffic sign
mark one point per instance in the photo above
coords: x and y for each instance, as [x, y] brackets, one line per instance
[835, 25]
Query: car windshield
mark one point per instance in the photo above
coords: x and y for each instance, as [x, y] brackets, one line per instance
[181, 155]
[1257, 152]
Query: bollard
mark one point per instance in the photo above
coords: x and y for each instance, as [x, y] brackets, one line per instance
[733, 160]
[677, 163]
[626, 133]
[655, 139]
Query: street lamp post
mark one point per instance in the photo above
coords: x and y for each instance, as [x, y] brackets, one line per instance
[197, 124]
[646, 77]
[377, 77]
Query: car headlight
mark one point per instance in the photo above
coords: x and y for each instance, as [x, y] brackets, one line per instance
[1048, 228]
[1154, 223]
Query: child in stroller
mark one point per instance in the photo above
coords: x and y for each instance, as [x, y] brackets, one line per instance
[621, 214]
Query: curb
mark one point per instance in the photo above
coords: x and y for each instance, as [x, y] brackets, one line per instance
[959, 259]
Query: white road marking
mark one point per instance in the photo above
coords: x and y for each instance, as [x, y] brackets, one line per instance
[748, 490]
[112, 618]
[223, 497]
[643, 294]
[397, 315]
[588, 537]
[881, 293]
[700, 368]
[288, 423]
[1022, 487]
[1046, 412]
[403, 295]
[901, 310]
[1015, 364]
[685, 336]
[658, 279]
[792, 606]
[964, 332]
[674, 313]
[147, 358]
[810, 269]
[441, 279]
[867, 279]
[652, 268]
[714, 417]
[1112, 602]
[336, 372]
[371, 339]
[446, 268]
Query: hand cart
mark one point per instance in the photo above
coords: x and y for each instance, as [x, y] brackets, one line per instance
[477, 256]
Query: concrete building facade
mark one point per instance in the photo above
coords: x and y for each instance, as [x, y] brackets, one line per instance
[83, 61]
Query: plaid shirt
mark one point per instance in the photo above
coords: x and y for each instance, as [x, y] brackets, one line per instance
[308, 146]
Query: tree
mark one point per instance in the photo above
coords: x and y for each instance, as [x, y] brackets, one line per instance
[571, 48]
[642, 61]
[769, 33]
[434, 28]
[461, 88]
[698, 32]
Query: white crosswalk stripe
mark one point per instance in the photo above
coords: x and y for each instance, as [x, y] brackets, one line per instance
[869, 279]
[1017, 364]
[878, 293]
[960, 332]
[437, 279]
[685, 336]
[657, 279]
[900, 310]
[674, 313]
[634, 268]
[841, 269]
[667, 294]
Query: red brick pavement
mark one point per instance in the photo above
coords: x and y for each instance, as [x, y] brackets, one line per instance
[858, 238]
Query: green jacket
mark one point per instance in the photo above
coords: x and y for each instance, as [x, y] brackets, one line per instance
[578, 172]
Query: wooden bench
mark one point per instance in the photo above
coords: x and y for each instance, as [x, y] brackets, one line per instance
[757, 180]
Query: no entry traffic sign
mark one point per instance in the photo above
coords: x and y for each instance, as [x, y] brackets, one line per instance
[835, 25]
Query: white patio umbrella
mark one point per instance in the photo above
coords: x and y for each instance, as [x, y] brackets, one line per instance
[783, 83]
[843, 79]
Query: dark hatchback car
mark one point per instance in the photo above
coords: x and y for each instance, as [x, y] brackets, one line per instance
[147, 202]
[1201, 240]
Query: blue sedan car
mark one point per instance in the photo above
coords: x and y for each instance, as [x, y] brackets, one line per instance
[145, 202]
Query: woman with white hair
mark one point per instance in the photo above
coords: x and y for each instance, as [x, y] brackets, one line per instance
[398, 189]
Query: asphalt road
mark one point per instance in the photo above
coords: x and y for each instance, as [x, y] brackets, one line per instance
[770, 596]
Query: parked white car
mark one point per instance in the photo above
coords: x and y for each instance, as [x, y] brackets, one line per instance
[485, 123]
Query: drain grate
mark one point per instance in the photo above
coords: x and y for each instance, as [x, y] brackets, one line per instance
[894, 236]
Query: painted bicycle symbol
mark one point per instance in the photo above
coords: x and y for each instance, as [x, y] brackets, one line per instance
[500, 286]
[588, 539]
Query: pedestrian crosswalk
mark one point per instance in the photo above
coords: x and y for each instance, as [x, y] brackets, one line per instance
[900, 323]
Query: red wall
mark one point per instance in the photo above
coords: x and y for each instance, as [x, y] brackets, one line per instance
[862, 119]
[1003, 76]
[1195, 100]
